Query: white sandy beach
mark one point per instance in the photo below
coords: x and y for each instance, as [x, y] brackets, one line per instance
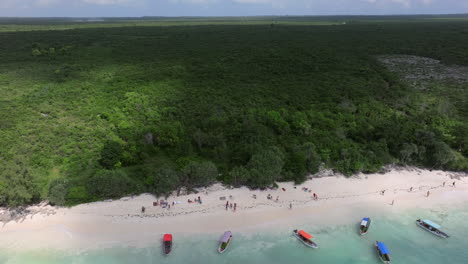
[340, 201]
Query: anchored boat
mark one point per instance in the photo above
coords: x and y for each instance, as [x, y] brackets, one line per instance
[431, 227]
[364, 227]
[167, 242]
[383, 252]
[225, 241]
[305, 237]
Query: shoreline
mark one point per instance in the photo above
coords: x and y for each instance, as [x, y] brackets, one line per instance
[340, 201]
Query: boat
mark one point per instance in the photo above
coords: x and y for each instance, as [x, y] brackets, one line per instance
[225, 241]
[364, 227]
[305, 237]
[383, 252]
[431, 227]
[167, 241]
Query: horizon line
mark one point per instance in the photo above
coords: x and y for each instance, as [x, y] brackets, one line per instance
[240, 16]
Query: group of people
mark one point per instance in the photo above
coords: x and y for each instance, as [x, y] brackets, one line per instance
[231, 206]
[196, 200]
[165, 204]
[162, 203]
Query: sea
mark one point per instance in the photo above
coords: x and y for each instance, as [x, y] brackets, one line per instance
[407, 243]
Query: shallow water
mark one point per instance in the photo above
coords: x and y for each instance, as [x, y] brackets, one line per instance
[407, 243]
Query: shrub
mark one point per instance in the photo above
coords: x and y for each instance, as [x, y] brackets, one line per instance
[110, 184]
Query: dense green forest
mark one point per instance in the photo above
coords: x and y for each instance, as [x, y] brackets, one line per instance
[102, 112]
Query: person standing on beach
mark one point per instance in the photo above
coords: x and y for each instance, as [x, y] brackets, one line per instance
[393, 201]
[428, 193]
[411, 189]
[443, 184]
[227, 205]
[453, 184]
[383, 192]
[143, 209]
[290, 205]
[235, 206]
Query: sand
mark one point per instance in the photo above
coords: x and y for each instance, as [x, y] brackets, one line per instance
[340, 201]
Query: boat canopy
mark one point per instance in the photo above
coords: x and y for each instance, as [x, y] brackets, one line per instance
[167, 237]
[382, 248]
[434, 225]
[305, 234]
[226, 236]
[364, 221]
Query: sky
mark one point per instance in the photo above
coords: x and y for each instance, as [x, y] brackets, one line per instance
[136, 8]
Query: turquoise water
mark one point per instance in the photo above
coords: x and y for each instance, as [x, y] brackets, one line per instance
[407, 243]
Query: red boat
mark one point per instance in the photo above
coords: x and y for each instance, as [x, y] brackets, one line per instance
[167, 241]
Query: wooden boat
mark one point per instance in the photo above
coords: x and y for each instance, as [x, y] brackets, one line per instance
[431, 227]
[383, 252]
[364, 227]
[167, 242]
[305, 237]
[225, 241]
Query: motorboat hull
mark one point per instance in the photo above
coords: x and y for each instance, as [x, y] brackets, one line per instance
[380, 255]
[221, 250]
[434, 232]
[311, 244]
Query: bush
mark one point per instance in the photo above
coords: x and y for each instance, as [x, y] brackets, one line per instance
[111, 154]
[239, 176]
[265, 167]
[16, 185]
[110, 184]
[197, 174]
[57, 192]
[76, 195]
[165, 180]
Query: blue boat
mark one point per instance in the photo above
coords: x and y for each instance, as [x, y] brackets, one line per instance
[364, 227]
[431, 227]
[384, 253]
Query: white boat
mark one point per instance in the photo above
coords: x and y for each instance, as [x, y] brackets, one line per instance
[384, 253]
[305, 237]
[225, 241]
[431, 227]
[364, 227]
